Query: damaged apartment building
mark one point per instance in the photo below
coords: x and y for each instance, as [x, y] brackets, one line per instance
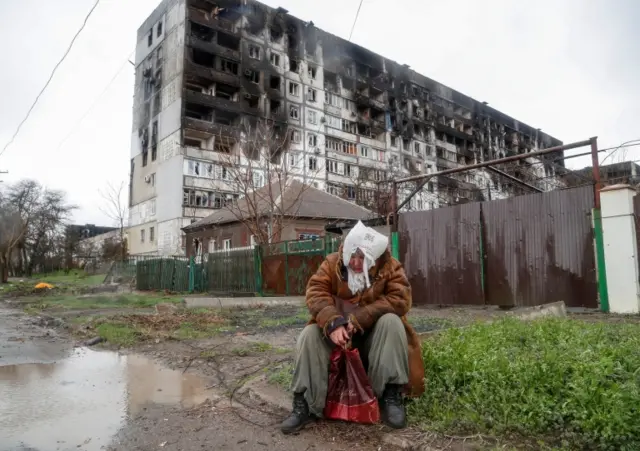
[207, 71]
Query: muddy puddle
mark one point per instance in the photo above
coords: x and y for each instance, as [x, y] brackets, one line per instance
[81, 402]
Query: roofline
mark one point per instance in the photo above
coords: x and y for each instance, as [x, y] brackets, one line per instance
[187, 229]
[338, 226]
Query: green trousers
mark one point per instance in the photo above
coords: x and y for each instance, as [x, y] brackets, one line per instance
[386, 351]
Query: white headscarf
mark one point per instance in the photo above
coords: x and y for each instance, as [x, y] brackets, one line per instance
[372, 244]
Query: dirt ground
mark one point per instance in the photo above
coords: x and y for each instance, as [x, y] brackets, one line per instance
[229, 349]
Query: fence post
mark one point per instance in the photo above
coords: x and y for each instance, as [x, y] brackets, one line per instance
[192, 274]
[286, 267]
[600, 262]
[257, 262]
[395, 245]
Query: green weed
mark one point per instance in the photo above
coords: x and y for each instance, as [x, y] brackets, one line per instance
[283, 376]
[118, 334]
[569, 380]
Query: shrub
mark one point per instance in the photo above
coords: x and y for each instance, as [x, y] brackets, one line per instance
[569, 381]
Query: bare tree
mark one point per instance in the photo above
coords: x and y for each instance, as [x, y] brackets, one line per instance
[255, 177]
[12, 230]
[43, 213]
[115, 208]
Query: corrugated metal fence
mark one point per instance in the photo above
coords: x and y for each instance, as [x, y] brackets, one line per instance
[274, 269]
[523, 251]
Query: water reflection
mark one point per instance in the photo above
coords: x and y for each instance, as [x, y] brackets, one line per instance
[85, 399]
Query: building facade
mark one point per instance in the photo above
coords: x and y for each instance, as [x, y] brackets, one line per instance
[207, 71]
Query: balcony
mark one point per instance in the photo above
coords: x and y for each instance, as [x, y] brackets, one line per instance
[208, 127]
[213, 47]
[212, 74]
[199, 17]
[333, 110]
[212, 101]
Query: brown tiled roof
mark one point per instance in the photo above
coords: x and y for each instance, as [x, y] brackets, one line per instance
[298, 200]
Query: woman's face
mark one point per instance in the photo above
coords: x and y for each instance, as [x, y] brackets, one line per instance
[357, 262]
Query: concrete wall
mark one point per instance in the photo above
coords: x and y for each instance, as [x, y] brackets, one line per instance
[620, 249]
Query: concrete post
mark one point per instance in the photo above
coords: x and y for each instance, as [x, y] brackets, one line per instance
[620, 248]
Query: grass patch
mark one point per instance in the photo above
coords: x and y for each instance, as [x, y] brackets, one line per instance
[118, 334]
[300, 319]
[71, 302]
[574, 383]
[282, 376]
[78, 278]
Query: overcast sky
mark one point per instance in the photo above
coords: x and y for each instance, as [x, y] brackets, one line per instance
[570, 67]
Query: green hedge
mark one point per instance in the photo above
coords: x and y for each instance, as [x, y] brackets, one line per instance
[567, 382]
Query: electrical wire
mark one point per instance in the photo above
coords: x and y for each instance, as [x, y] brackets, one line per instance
[95, 102]
[355, 20]
[53, 72]
[624, 145]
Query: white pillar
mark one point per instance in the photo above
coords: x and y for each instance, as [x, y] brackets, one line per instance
[620, 248]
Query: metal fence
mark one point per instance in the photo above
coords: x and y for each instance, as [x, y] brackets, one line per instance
[521, 251]
[278, 269]
[287, 266]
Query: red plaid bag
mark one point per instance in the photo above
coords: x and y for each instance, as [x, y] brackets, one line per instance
[349, 395]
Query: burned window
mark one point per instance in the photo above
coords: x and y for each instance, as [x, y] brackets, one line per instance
[252, 75]
[294, 112]
[190, 142]
[294, 89]
[312, 71]
[228, 66]
[202, 33]
[312, 95]
[295, 136]
[253, 101]
[145, 157]
[159, 29]
[274, 106]
[203, 58]
[405, 144]
[228, 41]
[275, 34]
[274, 82]
[150, 38]
[275, 59]
[294, 66]
[254, 52]
[226, 91]
[416, 147]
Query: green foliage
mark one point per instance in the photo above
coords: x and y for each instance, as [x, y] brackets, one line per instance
[282, 376]
[118, 334]
[572, 382]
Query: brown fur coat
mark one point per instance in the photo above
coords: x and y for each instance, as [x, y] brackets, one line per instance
[390, 292]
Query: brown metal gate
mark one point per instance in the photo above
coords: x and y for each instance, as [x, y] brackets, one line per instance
[539, 249]
[523, 251]
[440, 250]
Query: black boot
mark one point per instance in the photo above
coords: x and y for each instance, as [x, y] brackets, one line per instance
[392, 408]
[299, 417]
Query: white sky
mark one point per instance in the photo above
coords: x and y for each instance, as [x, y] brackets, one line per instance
[570, 67]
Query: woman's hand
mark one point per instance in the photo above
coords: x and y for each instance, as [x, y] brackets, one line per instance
[340, 336]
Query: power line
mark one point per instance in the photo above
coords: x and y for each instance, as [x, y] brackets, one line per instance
[356, 19]
[95, 102]
[86, 19]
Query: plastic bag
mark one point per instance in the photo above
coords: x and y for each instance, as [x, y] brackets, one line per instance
[349, 395]
[371, 242]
